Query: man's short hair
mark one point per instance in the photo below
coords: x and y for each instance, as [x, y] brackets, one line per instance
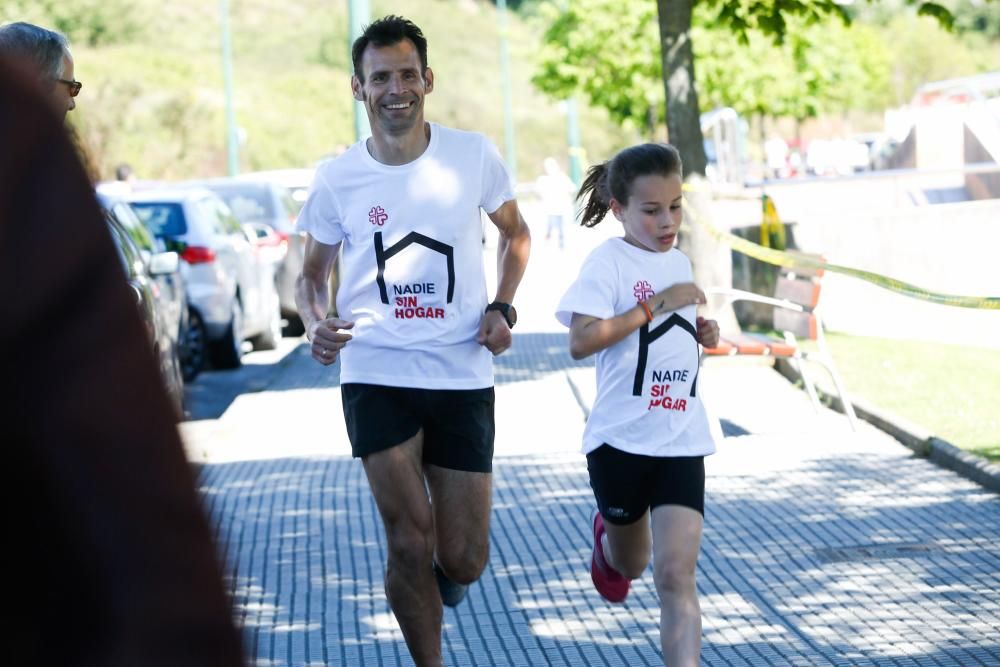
[388, 31]
[46, 49]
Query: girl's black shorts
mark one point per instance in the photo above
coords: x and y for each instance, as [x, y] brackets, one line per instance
[627, 486]
[458, 424]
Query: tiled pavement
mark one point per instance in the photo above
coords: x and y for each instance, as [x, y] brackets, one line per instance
[821, 547]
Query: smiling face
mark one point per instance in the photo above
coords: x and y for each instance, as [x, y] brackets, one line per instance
[394, 87]
[652, 216]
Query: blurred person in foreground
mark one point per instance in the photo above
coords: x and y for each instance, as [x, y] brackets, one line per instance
[113, 559]
[416, 332]
[47, 53]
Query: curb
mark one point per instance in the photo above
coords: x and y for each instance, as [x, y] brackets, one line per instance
[923, 443]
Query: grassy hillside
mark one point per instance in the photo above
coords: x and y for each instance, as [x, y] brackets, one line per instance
[156, 100]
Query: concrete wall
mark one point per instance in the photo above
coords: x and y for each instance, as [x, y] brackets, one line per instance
[982, 144]
[949, 248]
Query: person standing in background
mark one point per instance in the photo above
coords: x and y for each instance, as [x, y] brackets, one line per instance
[555, 190]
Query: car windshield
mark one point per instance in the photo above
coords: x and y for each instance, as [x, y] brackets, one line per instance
[137, 231]
[163, 219]
[248, 203]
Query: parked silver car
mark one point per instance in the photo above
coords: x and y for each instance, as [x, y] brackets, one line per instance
[230, 288]
[153, 277]
[298, 181]
[267, 202]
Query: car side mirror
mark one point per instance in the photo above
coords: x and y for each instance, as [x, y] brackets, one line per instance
[163, 263]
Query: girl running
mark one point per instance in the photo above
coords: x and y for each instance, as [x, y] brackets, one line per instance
[634, 306]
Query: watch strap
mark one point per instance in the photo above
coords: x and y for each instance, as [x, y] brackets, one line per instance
[504, 309]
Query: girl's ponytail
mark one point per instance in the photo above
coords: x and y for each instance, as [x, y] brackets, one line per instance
[614, 178]
[596, 194]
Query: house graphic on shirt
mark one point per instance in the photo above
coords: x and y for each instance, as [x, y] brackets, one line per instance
[383, 255]
[647, 337]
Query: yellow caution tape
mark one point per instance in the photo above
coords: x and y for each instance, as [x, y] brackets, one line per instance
[792, 259]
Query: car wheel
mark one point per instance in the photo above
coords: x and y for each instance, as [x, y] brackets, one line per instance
[226, 351]
[268, 340]
[193, 350]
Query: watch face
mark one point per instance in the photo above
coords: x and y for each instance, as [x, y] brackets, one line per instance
[512, 316]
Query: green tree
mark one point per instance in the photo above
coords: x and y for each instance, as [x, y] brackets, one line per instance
[794, 58]
[603, 49]
[977, 16]
[607, 60]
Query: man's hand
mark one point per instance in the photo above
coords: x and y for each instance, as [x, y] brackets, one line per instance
[708, 332]
[327, 338]
[494, 333]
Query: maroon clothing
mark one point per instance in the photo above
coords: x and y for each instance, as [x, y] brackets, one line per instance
[112, 558]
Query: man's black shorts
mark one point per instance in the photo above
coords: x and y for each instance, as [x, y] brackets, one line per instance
[626, 486]
[458, 424]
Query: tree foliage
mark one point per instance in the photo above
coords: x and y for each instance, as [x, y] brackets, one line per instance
[782, 62]
[772, 18]
[85, 22]
[802, 65]
[976, 16]
[611, 61]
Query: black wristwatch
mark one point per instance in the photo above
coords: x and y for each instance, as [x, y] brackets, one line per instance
[508, 311]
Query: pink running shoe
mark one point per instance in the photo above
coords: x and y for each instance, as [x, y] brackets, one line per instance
[612, 586]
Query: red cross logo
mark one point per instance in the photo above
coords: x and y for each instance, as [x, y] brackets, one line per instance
[378, 216]
[642, 290]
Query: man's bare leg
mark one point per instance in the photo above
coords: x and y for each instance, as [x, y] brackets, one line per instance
[461, 504]
[396, 479]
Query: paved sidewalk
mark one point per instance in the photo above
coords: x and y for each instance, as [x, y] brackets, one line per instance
[822, 546]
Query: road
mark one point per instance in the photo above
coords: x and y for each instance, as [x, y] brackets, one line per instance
[822, 546]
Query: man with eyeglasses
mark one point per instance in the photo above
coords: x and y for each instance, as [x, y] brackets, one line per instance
[47, 51]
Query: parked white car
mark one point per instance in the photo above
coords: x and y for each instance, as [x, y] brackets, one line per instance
[230, 286]
[262, 201]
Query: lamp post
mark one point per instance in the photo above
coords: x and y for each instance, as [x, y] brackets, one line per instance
[573, 131]
[573, 140]
[508, 117]
[232, 138]
[359, 13]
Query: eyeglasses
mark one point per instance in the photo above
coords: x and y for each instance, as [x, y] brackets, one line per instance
[74, 86]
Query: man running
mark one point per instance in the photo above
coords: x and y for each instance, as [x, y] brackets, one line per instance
[414, 328]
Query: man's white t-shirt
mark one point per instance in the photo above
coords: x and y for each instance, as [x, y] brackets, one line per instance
[411, 265]
[647, 384]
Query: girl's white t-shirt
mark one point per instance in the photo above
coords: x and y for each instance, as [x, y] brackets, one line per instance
[411, 265]
[647, 384]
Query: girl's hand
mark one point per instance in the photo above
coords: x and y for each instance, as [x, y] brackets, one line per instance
[675, 297]
[708, 332]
